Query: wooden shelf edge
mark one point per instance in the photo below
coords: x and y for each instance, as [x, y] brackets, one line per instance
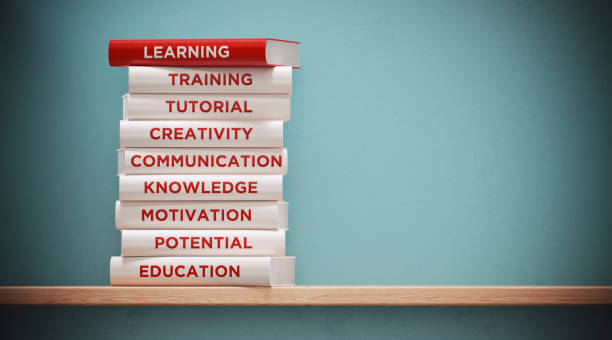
[307, 296]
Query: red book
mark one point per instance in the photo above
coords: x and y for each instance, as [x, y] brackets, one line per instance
[204, 52]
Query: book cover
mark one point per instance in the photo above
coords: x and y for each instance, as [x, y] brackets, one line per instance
[144, 79]
[201, 134]
[202, 243]
[203, 52]
[143, 161]
[202, 271]
[200, 187]
[201, 215]
[206, 107]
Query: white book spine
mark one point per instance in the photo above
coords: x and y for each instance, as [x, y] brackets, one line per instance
[202, 243]
[213, 107]
[142, 161]
[201, 215]
[201, 134]
[200, 187]
[144, 79]
[202, 271]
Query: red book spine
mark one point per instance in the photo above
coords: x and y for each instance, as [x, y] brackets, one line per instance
[188, 52]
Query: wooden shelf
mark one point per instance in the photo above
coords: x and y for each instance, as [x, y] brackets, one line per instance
[308, 295]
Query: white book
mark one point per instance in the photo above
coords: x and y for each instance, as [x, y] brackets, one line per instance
[201, 134]
[202, 106]
[202, 271]
[143, 161]
[201, 215]
[146, 79]
[202, 243]
[200, 187]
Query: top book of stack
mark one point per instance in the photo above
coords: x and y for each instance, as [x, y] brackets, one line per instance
[204, 52]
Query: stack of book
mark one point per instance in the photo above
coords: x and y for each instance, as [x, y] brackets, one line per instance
[202, 161]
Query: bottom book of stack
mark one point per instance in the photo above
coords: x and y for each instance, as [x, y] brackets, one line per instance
[202, 271]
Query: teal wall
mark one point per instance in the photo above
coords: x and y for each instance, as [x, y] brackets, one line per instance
[431, 142]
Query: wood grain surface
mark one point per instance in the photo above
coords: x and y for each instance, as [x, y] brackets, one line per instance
[308, 295]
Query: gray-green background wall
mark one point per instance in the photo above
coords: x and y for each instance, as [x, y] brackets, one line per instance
[431, 142]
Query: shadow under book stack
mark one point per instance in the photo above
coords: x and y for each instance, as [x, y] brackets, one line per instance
[202, 161]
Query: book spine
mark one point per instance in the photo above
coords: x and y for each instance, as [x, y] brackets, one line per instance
[143, 161]
[203, 243]
[201, 271]
[213, 107]
[144, 79]
[201, 215]
[200, 187]
[201, 134]
[188, 52]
